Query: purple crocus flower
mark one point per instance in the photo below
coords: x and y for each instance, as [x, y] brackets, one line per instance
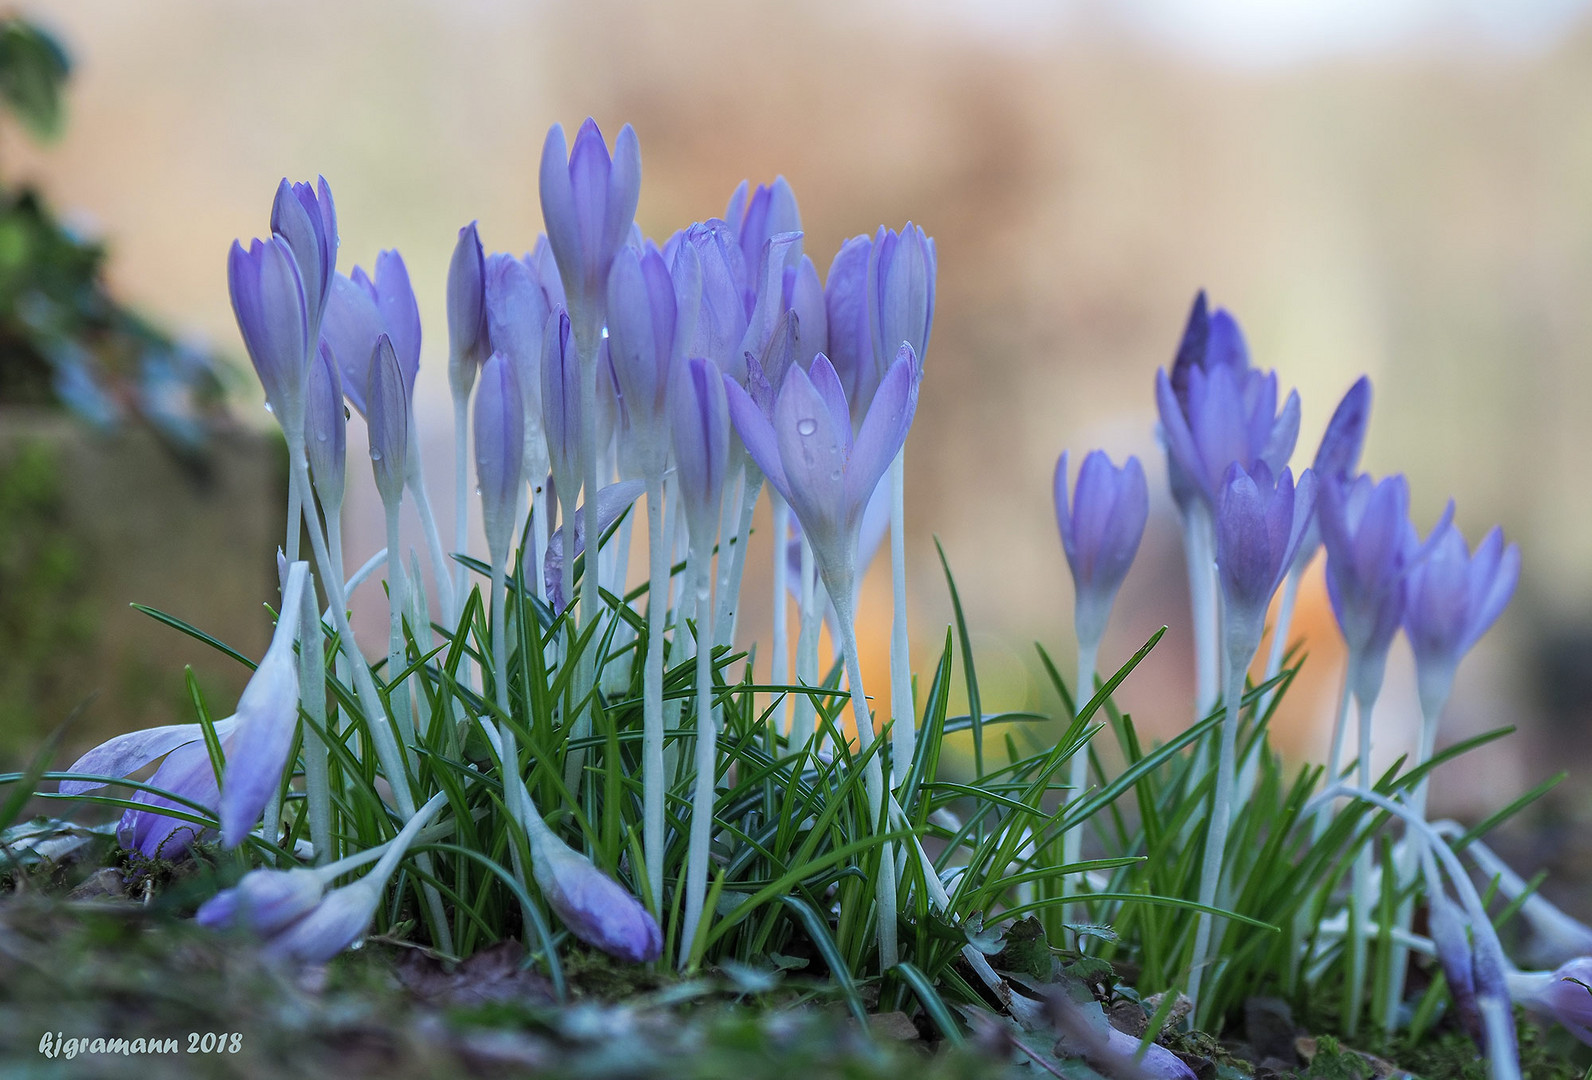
[1561, 994]
[901, 272]
[808, 453]
[272, 310]
[340, 919]
[304, 217]
[499, 451]
[719, 318]
[326, 429]
[360, 310]
[1338, 456]
[387, 404]
[1100, 534]
[589, 205]
[700, 427]
[804, 294]
[776, 270]
[469, 341]
[1370, 546]
[642, 345]
[850, 338]
[766, 212]
[592, 905]
[263, 902]
[1454, 597]
[1260, 521]
[561, 401]
[517, 312]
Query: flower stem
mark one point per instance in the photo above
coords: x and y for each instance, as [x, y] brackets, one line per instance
[811, 616]
[903, 714]
[1360, 898]
[1199, 545]
[696, 875]
[1279, 632]
[397, 694]
[1220, 821]
[779, 672]
[312, 692]
[461, 489]
[652, 774]
[415, 481]
[1078, 766]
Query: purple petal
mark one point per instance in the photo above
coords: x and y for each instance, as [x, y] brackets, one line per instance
[846, 309]
[350, 327]
[339, 920]
[612, 501]
[400, 313]
[126, 754]
[499, 448]
[884, 429]
[267, 721]
[756, 430]
[387, 402]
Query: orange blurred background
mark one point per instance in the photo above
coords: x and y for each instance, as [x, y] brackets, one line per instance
[1409, 196]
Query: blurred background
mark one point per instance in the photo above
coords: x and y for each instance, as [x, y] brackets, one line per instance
[1396, 187]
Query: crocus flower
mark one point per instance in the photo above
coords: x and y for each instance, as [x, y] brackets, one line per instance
[700, 428]
[804, 294]
[1370, 546]
[1100, 533]
[766, 212]
[719, 318]
[642, 345]
[775, 273]
[808, 453]
[850, 339]
[360, 310]
[387, 404]
[561, 401]
[326, 429]
[1338, 456]
[1259, 523]
[340, 919]
[263, 901]
[468, 339]
[612, 501]
[1454, 597]
[594, 907]
[589, 205]
[1564, 994]
[901, 272]
[269, 302]
[305, 218]
[499, 451]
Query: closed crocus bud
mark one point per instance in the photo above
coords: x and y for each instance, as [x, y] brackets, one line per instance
[326, 429]
[468, 339]
[701, 433]
[304, 217]
[766, 212]
[499, 451]
[850, 338]
[544, 268]
[269, 302]
[641, 345]
[1454, 597]
[340, 919]
[594, 907]
[361, 309]
[263, 901]
[589, 205]
[561, 401]
[1370, 543]
[267, 720]
[808, 453]
[1232, 418]
[718, 325]
[1561, 995]
[1259, 524]
[1338, 456]
[1100, 532]
[901, 273]
[387, 415]
[517, 312]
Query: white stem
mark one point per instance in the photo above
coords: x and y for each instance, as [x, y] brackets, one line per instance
[1279, 633]
[873, 778]
[415, 481]
[653, 780]
[397, 693]
[312, 692]
[1078, 778]
[1361, 897]
[461, 490]
[903, 713]
[696, 875]
[731, 544]
[1199, 545]
[779, 671]
[295, 515]
[1335, 750]
[804, 715]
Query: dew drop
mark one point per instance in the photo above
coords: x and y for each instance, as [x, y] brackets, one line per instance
[321, 436]
[375, 455]
[268, 407]
[806, 427]
[478, 490]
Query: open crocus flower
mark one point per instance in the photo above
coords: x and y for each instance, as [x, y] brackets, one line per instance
[256, 740]
[1100, 534]
[362, 308]
[1454, 597]
[808, 453]
[589, 206]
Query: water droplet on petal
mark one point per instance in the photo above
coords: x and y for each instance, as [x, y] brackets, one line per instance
[478, 489]
[375, 455]
[321, 436]
[268, 407]
[806, 427]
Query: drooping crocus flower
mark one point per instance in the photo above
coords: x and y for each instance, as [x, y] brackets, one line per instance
[1562, 994]
[305, 217]
[592, 905]
[1259, 523]
[1454, 597]
[589, 204]
[850, 338]
[263, 901]
[469, 341]
[269, 302]
[499, 451]
[326, 430]
[387, 412]
[1100, 534]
